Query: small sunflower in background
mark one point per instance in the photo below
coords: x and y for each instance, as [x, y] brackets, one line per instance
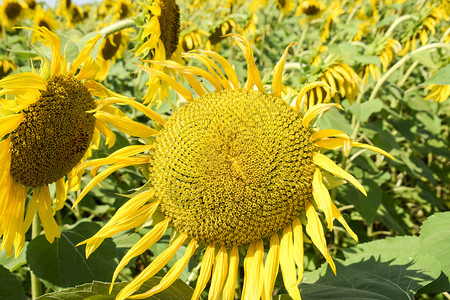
[48, 124]
[6, 66]
[32, 4]
[44, 18]
[72, 13]
[216, 35]
[285, 6]
[247, 172]
[363, 29]
[422, 29]
[332, 15]
[437, 92]
[385, 48]
[158, 39]
[312, 9]
[341, 78]
[191, 37]
[11, 11]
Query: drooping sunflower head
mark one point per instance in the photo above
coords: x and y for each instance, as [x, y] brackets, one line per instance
[235, 167]
[6, 66]
[312, 9]
[437, 92]
[48, 124]
[217, 34]
[11, 11]
[191, 37]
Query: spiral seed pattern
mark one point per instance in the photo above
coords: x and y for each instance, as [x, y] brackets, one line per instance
[234, 166]
[54, 133]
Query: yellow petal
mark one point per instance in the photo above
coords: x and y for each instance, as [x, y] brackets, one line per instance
[62, 189]
[212, 68]
[230, 284]
[107, 132]
[327, 164]
[340, 218]
[315, 232]
[9, 123]
[373, 148]
[317, 110]
[84, 53]
[231, 74]
[219, 273]
[126, 125]
[253, 75]
[145, 242]
[142, 108]
[170, 81]
[287, 263]
[253, 271]
[278, 72]
[297, 229]
[322, 197]
[307, 88]
[271, 267]
[44, 208]
[205, 271]
[89, 69]
[172, 274]
[152, 269]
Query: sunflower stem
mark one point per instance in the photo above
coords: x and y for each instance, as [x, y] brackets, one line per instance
[397, 22]
[113, 28]
[408, 72]
[36, 288]
[401, 62]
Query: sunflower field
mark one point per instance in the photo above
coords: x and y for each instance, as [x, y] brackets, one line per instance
[225, 149]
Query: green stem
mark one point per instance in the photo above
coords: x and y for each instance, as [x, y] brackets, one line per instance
[127, 23]
[36, 288]
[397, 22]
[405, 77]
[401, 62]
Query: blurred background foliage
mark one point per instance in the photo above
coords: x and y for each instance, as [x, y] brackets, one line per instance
[398, 51]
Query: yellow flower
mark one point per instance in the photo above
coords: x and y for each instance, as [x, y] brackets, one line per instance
[6, 67]
[363, 28]
[312, 9]
[426, 26]
[111, 48]
[120, 10]
[44, 18]
[217, 34]
[341, 78]
[230, 169]
[334, 11]
[71, 12]
[159, 40]
[286, 6]
[316, 57]
[192, 37]
[32, 4]
[48, 123]
[11, 11]
[439, 93]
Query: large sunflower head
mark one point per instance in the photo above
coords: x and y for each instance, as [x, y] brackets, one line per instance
[11, 11]
[48, 123]
[233, 168]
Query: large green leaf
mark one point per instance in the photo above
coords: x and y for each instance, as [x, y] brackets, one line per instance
[434, 240]
[12, 263]
[100, 291]
[10, 287]
[63, 264]
[441, 77]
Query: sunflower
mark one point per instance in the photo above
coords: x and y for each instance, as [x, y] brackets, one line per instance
[217, 34]
[32, 4]
[158, 39]
[389, 47]
[111, 48]
[11, 11]
[120, 10]
[334, 11]
[286, 6]
[312, 9]
[6, 66]
[422, 30]
[44, 18]
[71, 12]
[363, 28]
[246, 171]
[341, 78]
[193, 38]
[439, 93]
[48, 121]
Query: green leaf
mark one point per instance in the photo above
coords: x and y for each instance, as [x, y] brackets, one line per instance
[63, 264]
[435, 238]
[12, 263]
[425, 59]
[441, 77]
[366, 206]
[10, 287]
[335, 118]
[367, 278]
[100, 290]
